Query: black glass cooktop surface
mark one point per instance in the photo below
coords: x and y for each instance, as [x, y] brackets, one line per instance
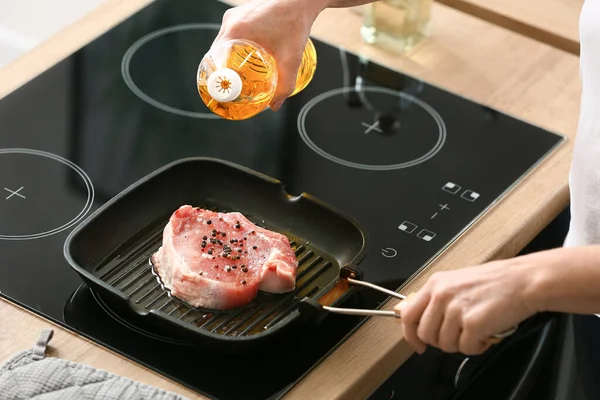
[415, 165]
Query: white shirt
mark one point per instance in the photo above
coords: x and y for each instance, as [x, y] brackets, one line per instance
[584, 177]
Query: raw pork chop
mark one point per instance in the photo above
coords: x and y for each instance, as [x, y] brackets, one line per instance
[221, 260]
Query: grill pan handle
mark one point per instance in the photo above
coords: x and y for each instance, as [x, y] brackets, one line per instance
[351, 276]
[314, 310]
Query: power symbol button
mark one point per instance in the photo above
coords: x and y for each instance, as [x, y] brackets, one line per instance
[389, 252]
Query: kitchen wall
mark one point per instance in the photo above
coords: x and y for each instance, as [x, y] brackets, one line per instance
[24, 24]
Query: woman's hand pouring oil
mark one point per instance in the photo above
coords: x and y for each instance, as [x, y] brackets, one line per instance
[246, 69]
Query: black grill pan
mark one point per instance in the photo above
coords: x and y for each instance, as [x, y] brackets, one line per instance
[111, 249]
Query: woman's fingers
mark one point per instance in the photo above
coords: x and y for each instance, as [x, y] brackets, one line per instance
[430, 324]
[411, 309]
[288, 63]
[472, 342]
[449, 335]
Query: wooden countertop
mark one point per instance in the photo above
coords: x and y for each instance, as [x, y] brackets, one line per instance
[555, 22]
[477, 59]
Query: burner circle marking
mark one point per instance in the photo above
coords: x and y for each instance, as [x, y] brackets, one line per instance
[374, 89]
[88, 185]
[138, 92]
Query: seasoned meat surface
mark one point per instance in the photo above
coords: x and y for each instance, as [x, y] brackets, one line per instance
[221, 260]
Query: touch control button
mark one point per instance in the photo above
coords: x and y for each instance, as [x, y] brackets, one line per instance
[407, 227]
[426, 235]
[470, 195]
[451, 187]
[389, 252]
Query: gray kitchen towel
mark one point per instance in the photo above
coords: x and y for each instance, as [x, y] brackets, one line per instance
[32, 375]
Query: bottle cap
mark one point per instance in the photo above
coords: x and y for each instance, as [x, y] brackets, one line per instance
[224, 85]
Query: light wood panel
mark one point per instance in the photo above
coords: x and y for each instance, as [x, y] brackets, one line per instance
[555, 22]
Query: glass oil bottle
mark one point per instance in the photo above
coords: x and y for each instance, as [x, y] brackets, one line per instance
[396, 24]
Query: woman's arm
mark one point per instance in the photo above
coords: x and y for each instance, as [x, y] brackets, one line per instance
[567, 280]
[457, 310]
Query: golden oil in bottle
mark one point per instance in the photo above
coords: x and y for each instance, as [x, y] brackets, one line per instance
[307, 68]
[238, 79]
[396, 24]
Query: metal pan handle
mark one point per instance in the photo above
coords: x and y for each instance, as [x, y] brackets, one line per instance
[351, 275]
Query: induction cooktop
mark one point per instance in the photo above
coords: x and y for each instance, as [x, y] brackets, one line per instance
[414, 164]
